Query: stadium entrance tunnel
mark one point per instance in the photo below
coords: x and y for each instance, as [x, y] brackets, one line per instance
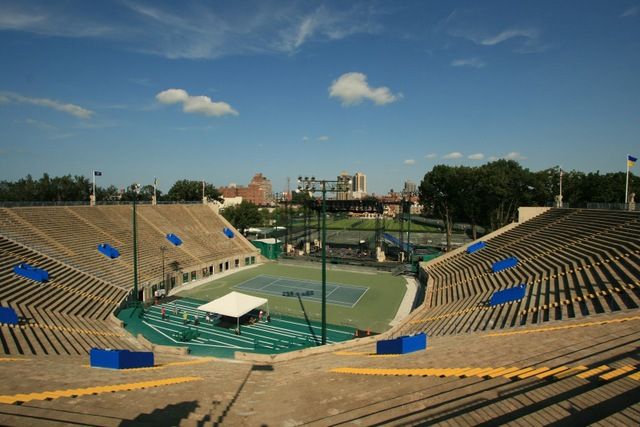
[185, 326]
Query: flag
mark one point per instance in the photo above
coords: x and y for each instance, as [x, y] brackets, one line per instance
[631, 161]
[97, 173]
[155, 181]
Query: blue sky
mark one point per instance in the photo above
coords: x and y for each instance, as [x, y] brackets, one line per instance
[221, 90]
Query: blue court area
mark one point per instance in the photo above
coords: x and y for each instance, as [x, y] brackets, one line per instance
[310, 290]
[218, 338]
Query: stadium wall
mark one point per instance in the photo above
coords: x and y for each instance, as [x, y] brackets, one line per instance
[525, 213]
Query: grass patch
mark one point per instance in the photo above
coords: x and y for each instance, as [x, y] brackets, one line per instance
[375, 310]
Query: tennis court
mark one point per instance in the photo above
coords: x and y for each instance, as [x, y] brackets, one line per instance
[311, 290]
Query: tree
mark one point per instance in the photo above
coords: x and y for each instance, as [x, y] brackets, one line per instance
[505, 186]
[300, 197]
[243, 216]
[439, 190]
[191, 191]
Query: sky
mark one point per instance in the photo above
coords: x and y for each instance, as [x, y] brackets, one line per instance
[221, 90]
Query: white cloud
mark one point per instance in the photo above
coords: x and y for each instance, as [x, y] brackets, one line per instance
[325, 23]
[492, 158]
[409, 162]
[38, 124]
[74, 110]
[476, 156]
[195, 30]
[305, 138]
[352, 88]
[468, 62]
[323, 138]
[528, 33]
[631, 11]
[453, 155]
[514, 155]
[195, 104]
[431, 156]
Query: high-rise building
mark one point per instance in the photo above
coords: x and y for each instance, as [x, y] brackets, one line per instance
[410, 187]
[344, 186]
[359, 185]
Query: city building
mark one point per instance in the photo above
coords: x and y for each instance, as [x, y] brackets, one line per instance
[345, 186]
[410, 187]
[258, 191]
[359, 185]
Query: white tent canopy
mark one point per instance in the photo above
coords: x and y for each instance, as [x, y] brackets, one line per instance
[233, 304]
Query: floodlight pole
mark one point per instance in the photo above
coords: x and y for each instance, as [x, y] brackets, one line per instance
[308, 184]
[324, 263]
[135, 187]
[164, 284]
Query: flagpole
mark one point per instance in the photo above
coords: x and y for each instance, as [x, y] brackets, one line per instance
[94, 186]
[626, 189]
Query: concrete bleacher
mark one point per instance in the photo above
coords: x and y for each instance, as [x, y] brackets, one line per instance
[574, 263]
[585, 373]
[73, 310]
[71, 235]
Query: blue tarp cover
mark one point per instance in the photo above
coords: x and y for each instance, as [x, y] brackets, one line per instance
[120, 359]
[8, 315]
[174, 239]
[108, 250]
[402, 345]
[476, 247]
[504, 264]
[31, 272]
[508, 295]
[228, 232]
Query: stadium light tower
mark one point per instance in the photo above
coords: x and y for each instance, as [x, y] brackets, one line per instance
[312, 185]
[135, 188]
[407, 203]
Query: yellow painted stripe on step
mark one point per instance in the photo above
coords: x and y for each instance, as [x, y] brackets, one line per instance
[593, 372]
[459, 371]
[494, 371]
[552, 372]
[351, 353]
[12, 399]
[472, 372]
[500, 371]
[12, 359]
[635, 376]
[518, 372]
[483, 372]
[571, 371]
[557, 328]
[618, 372]
[532, 373]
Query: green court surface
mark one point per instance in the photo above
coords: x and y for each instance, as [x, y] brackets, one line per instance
[337, 294]
[374, 310]
[218, 339]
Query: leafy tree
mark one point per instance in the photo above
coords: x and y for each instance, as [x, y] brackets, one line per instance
[300, 197]
[505, 186]
[243, 216]
[440, 191]
[191, 191]
[109, 194]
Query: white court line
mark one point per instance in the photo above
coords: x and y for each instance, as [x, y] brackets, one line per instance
[205, 330]
[314, 281]
[299, 334]
[361, 295]
[316, 327]
[225, 345]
